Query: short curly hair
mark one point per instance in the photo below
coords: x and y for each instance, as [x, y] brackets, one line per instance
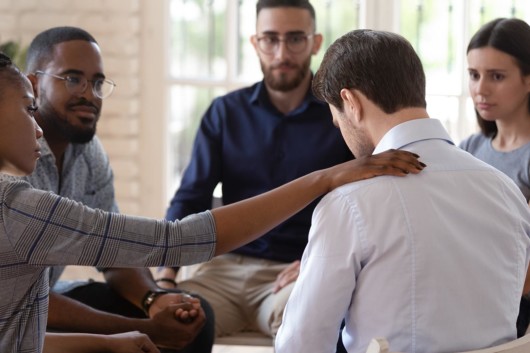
[40, 50]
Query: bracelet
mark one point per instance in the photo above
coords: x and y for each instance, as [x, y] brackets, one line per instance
[166, 279]
[149, 299]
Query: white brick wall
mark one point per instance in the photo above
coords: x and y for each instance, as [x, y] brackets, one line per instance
[117, 26]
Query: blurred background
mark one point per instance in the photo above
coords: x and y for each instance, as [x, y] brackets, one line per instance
[170, 58]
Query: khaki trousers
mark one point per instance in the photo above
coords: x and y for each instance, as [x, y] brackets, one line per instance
[239, 290]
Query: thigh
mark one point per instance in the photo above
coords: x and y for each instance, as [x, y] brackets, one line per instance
[270, 312]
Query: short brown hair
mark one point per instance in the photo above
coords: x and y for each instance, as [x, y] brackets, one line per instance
[381, 65]
[40, 50]
[300, 4]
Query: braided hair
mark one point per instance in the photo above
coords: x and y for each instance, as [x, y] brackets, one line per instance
[10, 74]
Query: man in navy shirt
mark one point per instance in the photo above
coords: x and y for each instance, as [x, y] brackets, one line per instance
[253, 140]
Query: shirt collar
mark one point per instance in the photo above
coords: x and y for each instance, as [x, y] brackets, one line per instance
[75, 149]
[412, 131]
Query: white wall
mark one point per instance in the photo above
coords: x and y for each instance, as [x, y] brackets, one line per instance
[131, 123]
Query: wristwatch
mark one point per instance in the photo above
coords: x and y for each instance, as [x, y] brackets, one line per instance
[149, 299]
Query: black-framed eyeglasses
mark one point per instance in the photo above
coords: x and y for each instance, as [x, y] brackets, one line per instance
[295, 43]
[77, 84]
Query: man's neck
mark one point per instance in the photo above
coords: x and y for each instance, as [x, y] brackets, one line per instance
[58, 149]
[385, 122]
[288, 101]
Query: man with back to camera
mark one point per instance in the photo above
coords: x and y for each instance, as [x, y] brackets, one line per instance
[435, 262]
[65, 67]
[252, 140]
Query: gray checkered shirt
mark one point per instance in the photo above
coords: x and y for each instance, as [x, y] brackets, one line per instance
[39, 229]
[86, 177]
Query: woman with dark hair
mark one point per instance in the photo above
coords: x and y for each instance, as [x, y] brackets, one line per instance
[499, 83]
[498, 58]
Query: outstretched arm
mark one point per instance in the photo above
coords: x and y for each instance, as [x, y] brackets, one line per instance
[128, 342]
[163, 327]
[244, 221]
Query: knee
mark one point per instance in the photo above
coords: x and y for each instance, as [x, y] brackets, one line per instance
[276, 307]
[209, 313]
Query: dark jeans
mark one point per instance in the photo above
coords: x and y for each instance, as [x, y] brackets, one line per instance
[340, 346]
[100, 296]
[524, 315]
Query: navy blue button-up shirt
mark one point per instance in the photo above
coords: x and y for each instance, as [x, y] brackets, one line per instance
[245, 143]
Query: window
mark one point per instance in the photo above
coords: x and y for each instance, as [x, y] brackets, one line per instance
[210, 54]
[440, 30]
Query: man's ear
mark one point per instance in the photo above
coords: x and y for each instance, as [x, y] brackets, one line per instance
[317, 43]
[254, 41]
[352, 104]
[34, 83]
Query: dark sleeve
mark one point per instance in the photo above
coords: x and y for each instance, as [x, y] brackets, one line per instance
[204, 170]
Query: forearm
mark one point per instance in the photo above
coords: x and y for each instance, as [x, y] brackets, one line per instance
[130, 283]
[166, 277]
[74, 343]
[242, 222]
[127, 342]
[70, 315]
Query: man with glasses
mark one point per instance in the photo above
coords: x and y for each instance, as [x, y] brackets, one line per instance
[76, 83]
[65, 67]
[252, 140]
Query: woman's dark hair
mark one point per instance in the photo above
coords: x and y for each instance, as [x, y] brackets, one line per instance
[9, 74]
[511, 36]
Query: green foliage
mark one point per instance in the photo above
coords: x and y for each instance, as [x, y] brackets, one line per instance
[16, 52]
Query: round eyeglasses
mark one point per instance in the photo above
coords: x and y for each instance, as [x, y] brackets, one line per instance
[295, 42]
[77, 84]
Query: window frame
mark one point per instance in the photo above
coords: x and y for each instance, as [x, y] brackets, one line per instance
[377, 14]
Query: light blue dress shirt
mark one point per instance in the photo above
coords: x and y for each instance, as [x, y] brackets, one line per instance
[434, 262]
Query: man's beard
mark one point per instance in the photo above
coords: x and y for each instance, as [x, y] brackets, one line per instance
[282, 83]
[53, 120]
